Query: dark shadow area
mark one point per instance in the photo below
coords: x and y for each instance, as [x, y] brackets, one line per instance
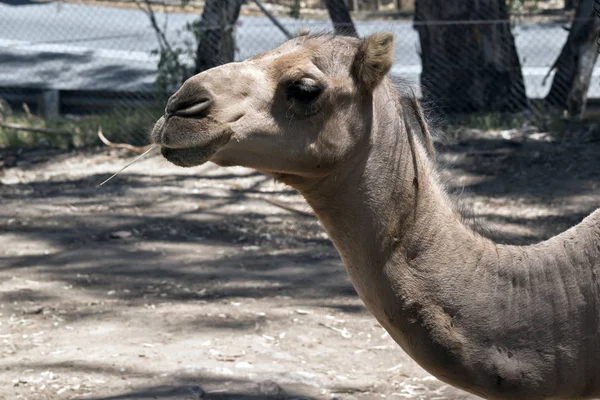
[534, 169]
[111, 76]
[19, 2]
[188, 386]
[23, 296]
[72, 71]
[21, 60]
[288, 257]
[186, 392]
[524, 174]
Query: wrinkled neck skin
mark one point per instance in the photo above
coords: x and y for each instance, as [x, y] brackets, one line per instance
[378, 210]
[498, 321]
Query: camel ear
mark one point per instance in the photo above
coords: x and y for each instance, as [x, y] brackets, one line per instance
[373, 60]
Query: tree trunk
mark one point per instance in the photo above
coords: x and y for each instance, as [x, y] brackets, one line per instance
[575, 64]
[469, 66]
[569, 5]
[340, 16]
[216, 40]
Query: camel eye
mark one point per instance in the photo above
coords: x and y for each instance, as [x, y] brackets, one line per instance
[303, 91]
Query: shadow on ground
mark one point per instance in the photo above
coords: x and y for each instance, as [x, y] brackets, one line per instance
[210, 239]
[82, 224]
[560, 176]
[181, 387]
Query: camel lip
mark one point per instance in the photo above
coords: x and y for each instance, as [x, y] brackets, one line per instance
[189, 157]
[190, 152]
[194, 154]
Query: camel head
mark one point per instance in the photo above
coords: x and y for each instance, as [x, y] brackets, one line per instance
[294, 111]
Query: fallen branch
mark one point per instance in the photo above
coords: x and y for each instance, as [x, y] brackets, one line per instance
[135, 149]
[33, 129]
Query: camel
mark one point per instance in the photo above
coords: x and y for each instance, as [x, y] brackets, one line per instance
[320, 114]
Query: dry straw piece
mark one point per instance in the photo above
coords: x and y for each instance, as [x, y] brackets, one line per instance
[128, 165]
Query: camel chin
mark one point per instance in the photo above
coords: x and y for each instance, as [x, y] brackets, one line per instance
[190, 157]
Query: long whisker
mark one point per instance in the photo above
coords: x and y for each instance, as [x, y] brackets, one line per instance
[134, 161]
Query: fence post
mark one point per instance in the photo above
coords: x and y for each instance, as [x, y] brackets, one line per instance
[49, 103]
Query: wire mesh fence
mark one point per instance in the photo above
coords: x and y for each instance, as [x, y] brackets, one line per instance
[80, 65]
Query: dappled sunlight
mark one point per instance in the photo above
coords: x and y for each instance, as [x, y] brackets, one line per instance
[533, 170]
[211, 279]
[521, 192]
[90, 379]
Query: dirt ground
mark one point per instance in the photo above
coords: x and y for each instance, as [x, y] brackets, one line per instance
[173, 283]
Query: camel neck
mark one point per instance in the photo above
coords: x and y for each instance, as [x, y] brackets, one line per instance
[447, 295]
[400, 241]
[381, 213]
[384, 200]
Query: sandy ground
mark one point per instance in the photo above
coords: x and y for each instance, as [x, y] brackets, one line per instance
[175, 283]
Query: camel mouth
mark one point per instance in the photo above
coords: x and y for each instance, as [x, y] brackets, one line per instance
[189, 157]
[189, 150]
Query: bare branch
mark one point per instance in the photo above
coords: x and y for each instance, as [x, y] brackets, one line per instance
[34, 129]
[135, 149]
[160, 35]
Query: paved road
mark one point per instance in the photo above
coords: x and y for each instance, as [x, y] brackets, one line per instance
[74, 46]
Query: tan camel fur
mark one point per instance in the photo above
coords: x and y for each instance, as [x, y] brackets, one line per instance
[319, 114]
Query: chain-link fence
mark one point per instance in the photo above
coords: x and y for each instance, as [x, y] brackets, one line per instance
[88, 64]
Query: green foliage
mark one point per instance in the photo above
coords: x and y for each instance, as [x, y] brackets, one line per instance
[486, 121]
[175, 63]
[514, 5]
[538, 117]
[295, 9]
[171, 72]
[120, 125]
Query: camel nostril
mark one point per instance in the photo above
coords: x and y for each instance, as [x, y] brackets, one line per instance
[191, 100]
[196, 109]
[188, 108]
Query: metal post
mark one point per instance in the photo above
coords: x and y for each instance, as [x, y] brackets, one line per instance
[273, 19]
[49, 103]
